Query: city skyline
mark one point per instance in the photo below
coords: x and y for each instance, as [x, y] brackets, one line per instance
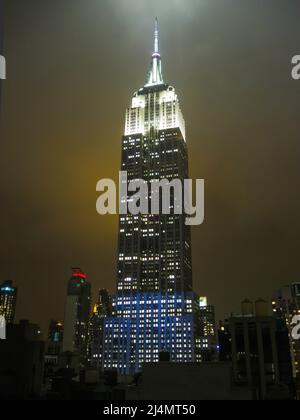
[247, 247]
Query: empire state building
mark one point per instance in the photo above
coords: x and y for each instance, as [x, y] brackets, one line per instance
[155, 250]
[154, 308]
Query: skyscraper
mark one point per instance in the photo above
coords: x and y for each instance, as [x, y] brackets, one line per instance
[77, 312]
[154, 305]
[286, 304]
[53, 348]
[101, 310]
[55, 332]
[8, 300]
[206, 339]
[155, 250]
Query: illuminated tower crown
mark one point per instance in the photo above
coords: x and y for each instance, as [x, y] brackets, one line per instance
[156, 104]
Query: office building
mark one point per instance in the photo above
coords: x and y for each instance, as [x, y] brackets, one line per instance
[206, 341]
[54, 342]
[53, 351]
[286, 305]
[258, 348]
[154, 307]
[8, 301]
[102, 309]
[77, 312]
[55, 332]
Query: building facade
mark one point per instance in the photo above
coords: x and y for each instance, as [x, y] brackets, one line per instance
[145, 324]
[258, 348]
[55, 332]
[55, 341]
[53, 351]
[286, 305]
[155, 249]
[77, 313]
[8, 301]
[102, 309]
[206, 342]
[154, 307]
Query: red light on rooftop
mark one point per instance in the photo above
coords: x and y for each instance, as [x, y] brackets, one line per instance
[77, 272]
[80, 275]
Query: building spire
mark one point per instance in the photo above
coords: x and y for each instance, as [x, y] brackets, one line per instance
[156, 37]
[155, 75]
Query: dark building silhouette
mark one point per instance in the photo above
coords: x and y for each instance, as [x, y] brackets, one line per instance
[224, 341]
[53, 353]
[166, 381]
[258, 348]
[21, 361]
[55, 333]
[8, 301]
[54, 344]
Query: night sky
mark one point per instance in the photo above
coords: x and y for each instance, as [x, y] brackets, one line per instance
[73, 66]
